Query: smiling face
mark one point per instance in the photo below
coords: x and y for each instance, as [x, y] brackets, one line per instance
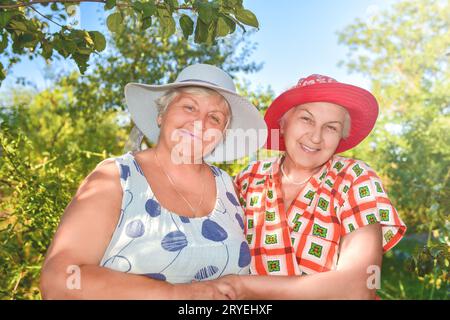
[193, 123]
[312, 132]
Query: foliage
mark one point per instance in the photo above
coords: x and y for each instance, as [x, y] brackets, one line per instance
[26, 30]
[142, 56]
[45, 154]
[404, 52]
[399, 281]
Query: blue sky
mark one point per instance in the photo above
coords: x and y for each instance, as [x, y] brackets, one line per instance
[296, 38]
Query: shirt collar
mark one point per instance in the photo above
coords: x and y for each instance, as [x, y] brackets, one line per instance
[319, 176]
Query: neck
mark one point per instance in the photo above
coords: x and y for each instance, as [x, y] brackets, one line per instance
[297, 172]
[164, 156]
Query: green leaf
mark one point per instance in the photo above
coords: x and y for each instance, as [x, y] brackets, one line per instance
[110, 4]
[146, 23]
[222, 27]
[247, 17]
[18, 25]
[187, 25]
[205, 12]
[212, 33]
[81, 60]
[172, 3]
[99, 40]
[230, 22]
[201, 32]
[148, 9]
[47, 49]
[85, 51]
[4, 42]
[233, 3]
[137, 6]
[26, 37]
[168, 25]
[5, 17]
[2, 73]
[114, 21]
[60, 47]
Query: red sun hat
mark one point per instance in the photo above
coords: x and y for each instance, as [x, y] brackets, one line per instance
[360, 104]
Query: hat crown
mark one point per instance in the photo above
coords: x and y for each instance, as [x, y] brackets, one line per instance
[314, 79]
[206, 73]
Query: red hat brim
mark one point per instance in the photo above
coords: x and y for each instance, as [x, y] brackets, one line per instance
[360, 104]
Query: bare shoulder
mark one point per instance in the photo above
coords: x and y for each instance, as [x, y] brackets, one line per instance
[104, 178]
[89, 220]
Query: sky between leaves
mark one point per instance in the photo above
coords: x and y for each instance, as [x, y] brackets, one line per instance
[296, 38]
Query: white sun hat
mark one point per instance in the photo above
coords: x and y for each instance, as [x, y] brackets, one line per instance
[246, 133]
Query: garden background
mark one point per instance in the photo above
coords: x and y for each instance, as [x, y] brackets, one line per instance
[56, 127]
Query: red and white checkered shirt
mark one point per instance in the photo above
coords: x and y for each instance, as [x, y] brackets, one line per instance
[345, 195]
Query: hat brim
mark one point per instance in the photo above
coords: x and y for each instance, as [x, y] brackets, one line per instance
[246, 133]
[360, 104]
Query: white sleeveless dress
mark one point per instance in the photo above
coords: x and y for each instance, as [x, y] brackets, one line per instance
[153, 241]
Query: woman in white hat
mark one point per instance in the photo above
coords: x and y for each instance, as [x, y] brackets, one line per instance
[161, 223]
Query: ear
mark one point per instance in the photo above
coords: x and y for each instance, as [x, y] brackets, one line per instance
[282, 127]
[159, 121]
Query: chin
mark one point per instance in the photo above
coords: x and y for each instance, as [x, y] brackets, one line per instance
[308, 161]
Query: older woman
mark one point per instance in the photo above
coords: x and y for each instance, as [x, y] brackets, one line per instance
[318, 221]
[161, 222]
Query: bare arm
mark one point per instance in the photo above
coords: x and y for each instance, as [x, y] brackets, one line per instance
[81, 240]
[359, 250]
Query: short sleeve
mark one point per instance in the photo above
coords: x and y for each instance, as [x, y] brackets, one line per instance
[242, 181]
[366, 203]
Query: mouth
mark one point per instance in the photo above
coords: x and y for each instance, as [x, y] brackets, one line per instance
[308, 149]
[187, 133]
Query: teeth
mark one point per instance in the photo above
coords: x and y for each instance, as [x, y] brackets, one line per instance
[309, 149]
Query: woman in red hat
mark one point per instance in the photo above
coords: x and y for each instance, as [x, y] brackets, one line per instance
[319, 221]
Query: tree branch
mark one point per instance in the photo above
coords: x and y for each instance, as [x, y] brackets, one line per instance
[27, 4]
[42, 15]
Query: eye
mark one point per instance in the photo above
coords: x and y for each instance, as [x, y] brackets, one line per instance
[331, 128]
[188, 107]
[215, 119]
[306, 119]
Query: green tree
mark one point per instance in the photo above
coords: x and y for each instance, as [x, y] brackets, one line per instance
[404, 51]
[25, 28]
[44, 151]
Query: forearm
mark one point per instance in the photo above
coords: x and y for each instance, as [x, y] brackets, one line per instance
[96, 282]
[346, 284]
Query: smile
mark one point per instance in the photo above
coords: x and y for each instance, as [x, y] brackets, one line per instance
[189, 134]
[308, 149]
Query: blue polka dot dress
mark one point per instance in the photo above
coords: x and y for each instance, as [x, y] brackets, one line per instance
[153, 241]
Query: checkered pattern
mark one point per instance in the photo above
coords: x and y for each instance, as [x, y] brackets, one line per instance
[345, 195]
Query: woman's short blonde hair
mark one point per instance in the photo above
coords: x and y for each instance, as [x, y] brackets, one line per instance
[163, 102]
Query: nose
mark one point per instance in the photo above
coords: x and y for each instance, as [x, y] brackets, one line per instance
[316, 135]
[199, 125]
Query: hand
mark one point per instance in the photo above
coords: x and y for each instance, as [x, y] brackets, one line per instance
[204, 290]
[234, 285]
